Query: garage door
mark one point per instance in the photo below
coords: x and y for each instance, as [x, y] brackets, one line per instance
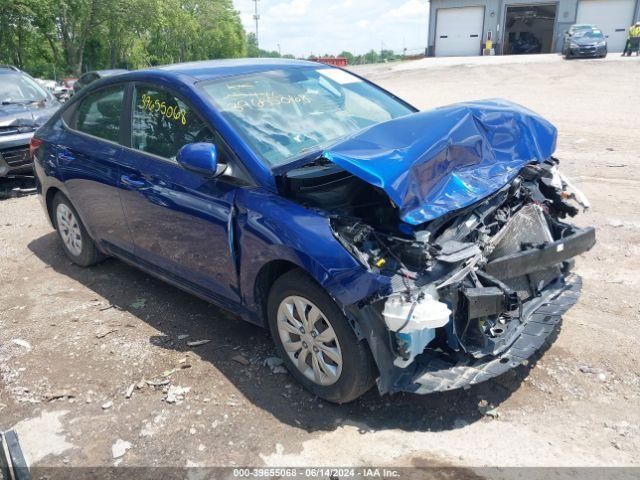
[459, 31]
[613, 17]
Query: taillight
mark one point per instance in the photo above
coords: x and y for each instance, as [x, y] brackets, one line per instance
[34, 145]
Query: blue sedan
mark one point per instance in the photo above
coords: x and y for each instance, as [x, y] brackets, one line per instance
[422, 251]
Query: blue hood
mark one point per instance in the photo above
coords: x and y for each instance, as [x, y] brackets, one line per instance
[434, 162]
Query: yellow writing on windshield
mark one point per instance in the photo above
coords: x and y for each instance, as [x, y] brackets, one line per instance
[156, 106]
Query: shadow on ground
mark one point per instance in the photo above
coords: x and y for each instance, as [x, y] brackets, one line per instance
[174, 312]
[18, 186]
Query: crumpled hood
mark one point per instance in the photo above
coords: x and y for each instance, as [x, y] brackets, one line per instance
[27, 115]
[434, 162]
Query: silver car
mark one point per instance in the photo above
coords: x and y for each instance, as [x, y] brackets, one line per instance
[24, 106]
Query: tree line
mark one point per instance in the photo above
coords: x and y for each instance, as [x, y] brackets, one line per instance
[69, 37]
[58, 38]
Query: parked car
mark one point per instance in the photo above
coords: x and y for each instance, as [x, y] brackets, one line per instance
[525, 44]
[422, 251]
[62, 93]
[584, 41]
[46, 84]
[91, 77]
[24, 106]
[69, 82]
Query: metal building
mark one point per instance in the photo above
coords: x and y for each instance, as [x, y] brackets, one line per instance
[462, 27]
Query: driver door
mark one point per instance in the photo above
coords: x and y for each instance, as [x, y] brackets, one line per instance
[179, 219]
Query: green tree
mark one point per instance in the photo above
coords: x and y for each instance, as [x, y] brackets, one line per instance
[72, 36]
[348, 55]
[371, 57]
[253, 50]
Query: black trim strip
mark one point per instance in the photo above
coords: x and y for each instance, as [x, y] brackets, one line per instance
[533, 260]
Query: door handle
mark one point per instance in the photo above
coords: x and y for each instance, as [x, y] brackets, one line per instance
[132, 182]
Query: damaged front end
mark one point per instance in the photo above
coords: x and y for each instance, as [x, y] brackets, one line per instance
[472, 293]
[461, 210]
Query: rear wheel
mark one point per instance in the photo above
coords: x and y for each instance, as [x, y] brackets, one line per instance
[315, 340]
[76, 242]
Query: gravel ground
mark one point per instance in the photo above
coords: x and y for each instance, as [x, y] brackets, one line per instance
[97, 361]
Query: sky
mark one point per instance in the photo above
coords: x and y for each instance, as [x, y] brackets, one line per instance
[305, 27]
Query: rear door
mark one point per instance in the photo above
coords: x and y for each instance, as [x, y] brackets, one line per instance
[181, 221]
[88, 155]
[613, 17]
[459, 31]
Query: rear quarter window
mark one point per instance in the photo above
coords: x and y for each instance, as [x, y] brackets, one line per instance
[99, 113]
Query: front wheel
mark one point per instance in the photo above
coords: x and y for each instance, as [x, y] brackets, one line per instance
[76, 242]
[315, 340]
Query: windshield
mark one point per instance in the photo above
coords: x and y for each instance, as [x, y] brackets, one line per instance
[282, 114]
[16, 88]
[595, 34]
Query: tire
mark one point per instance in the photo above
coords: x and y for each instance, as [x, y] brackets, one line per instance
[76, 242]
[353, 375]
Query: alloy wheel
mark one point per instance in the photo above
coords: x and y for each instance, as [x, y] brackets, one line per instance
[309, 340]
[69, 229]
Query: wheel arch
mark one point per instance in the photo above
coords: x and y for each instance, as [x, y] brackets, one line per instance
[48, 201]
[266, 277]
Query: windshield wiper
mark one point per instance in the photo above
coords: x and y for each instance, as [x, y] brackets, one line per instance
[23, 102]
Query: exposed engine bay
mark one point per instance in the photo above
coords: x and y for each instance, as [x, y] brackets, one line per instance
[462, 287]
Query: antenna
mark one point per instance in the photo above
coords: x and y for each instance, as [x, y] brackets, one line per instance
[256, 17]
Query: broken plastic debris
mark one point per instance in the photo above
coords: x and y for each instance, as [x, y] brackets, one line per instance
[485, 408]
[129, 391]
[22, 343]
[158, 383]
[176, 394]
[197, 343]
[119, 448]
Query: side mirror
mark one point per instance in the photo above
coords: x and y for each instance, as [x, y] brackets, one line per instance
[201, 158]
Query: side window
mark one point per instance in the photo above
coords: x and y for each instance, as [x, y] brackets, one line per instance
[99, 113]
[162, 123]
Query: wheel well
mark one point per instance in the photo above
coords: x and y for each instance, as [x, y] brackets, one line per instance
[51, 192]
[266, 277]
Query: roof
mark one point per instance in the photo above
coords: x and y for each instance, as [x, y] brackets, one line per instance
[8, 69]
[578, 26]
[210, 69]
[107, 73]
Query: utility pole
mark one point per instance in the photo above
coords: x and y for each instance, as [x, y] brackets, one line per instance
[256, 17]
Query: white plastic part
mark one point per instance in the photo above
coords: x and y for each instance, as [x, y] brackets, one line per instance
[579, 197]
[415, 321]
[562, 183]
